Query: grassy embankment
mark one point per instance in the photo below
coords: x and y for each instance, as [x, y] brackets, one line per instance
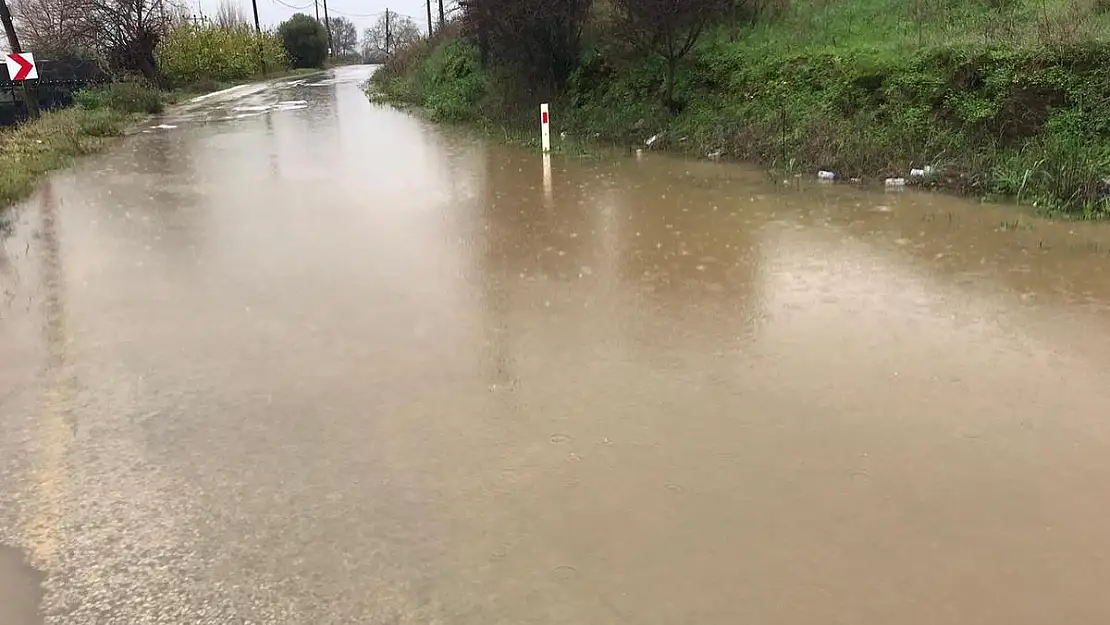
[1004, 98]
[193, 60]
[29, 150]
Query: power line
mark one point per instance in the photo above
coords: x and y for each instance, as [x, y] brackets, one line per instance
[370, 15]
[291, 6]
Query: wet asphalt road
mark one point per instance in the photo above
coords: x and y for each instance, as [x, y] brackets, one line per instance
[287, 357]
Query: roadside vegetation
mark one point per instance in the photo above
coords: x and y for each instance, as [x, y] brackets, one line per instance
[146, 56]
[993, 98]
[30, 150]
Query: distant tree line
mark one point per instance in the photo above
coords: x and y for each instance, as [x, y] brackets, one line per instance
[142, 36]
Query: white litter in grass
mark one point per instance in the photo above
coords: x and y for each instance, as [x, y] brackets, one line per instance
[895, 182]
[826, 175]
[163, 127]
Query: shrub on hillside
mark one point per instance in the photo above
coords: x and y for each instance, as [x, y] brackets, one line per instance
[452, 82]
[538, 41]
[192, 54]
[305, 41]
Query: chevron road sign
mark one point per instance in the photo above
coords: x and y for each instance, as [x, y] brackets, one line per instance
[22, 66]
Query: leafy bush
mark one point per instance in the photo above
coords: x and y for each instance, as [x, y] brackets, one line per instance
[192, 54]
[305, 41]
[453, 82]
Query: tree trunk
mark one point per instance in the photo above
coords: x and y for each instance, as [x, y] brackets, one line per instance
[30, 94]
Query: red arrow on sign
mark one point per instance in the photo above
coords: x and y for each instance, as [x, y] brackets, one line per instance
[25, 66]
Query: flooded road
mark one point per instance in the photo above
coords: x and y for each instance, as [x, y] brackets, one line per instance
[288, 357]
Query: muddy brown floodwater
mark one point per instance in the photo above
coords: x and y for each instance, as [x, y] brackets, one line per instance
[20, 590]
[289, 357]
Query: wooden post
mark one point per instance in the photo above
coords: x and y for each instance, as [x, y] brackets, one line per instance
[327, 26]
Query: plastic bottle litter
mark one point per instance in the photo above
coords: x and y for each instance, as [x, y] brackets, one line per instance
[917, 173]
[895, 182]
[650, 142]
[826, 175]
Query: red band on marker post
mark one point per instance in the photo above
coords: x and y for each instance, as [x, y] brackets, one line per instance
[545, 128]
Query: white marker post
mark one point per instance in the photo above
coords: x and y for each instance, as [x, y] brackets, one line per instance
[545, 127]
[545, 135]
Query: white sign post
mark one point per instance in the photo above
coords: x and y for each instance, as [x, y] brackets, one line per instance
[545, 127]
[21, 66]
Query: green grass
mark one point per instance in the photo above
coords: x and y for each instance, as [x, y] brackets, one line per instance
[30, 150]
[1007, 99]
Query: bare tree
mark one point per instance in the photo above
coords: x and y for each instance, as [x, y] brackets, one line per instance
[389, 34]
[128, 33]
[54, 27]
[669, 28]
[230, 16]
[344, 36]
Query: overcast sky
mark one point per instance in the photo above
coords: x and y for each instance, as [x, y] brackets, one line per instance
[362, 12]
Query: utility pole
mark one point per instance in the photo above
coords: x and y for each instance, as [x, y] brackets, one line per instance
[388, 35]
[429, 4]
[30, 97]
[327, 26]
[317, 3]
[258, 32]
